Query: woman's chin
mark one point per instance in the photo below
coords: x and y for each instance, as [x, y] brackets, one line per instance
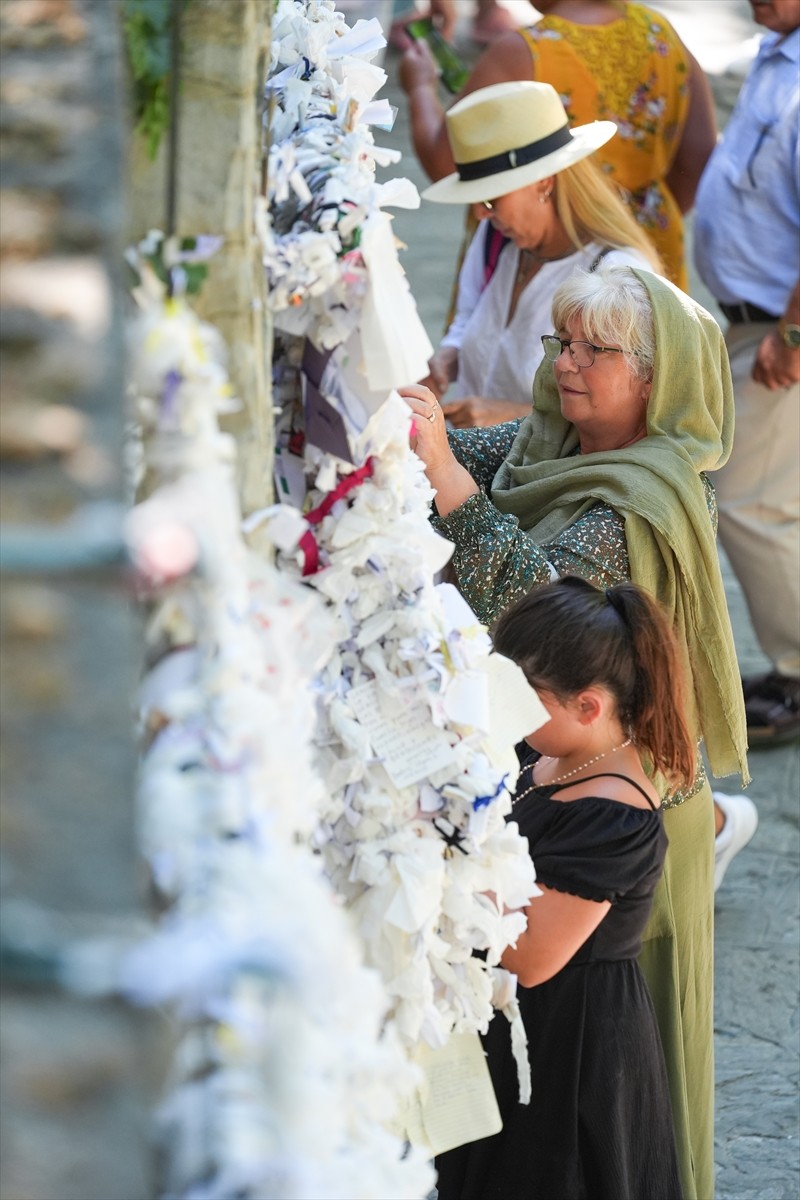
[569, 409]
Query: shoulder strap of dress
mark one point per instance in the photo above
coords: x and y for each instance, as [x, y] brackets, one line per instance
[609, 775]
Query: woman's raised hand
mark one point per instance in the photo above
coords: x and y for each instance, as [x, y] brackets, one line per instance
[452, 482]
[418, 68]
[429, 435]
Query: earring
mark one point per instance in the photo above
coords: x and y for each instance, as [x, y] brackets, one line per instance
[544, 197]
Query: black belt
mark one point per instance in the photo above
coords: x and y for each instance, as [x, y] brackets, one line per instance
[743, 313]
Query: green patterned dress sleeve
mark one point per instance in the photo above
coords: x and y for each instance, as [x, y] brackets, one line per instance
[483, 451]
[496, 562]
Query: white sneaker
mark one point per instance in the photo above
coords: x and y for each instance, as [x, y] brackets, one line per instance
[741, 822]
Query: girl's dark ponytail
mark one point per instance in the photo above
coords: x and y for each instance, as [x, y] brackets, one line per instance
[656, 719]
[569, 635]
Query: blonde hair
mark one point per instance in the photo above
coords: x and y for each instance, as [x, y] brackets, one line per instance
[591, 210]
[613, 306]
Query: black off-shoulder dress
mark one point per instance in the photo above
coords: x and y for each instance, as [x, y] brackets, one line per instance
[599, 1124]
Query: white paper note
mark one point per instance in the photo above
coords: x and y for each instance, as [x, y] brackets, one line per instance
[466, 700]
[365, 38]
[407, 741]
[515, 709]
[395, 344]
[457, 1103]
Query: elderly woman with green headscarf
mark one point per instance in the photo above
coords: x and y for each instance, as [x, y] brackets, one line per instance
[605, 479]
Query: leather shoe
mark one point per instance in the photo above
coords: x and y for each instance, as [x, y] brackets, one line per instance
[772, 704]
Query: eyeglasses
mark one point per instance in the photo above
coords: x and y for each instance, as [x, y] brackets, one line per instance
[582, 353]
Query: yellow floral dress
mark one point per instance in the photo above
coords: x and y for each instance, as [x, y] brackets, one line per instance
[634, 72]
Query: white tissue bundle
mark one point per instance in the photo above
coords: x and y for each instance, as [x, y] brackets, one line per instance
[285, 1080]
[412, 825]
[412, 822]
[322, 194]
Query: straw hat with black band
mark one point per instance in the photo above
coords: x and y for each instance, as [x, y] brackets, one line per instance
[509, 135]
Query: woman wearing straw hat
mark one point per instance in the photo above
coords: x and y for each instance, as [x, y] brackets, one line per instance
[605, 479]
[544, 210]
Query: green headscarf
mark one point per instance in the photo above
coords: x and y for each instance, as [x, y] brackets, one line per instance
[656, 487]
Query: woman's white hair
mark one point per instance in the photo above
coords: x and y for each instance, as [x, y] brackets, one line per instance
[614, 308]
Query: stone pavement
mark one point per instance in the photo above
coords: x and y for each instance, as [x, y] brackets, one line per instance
[757, 1038]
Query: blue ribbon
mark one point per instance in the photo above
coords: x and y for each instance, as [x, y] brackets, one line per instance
[482, 801]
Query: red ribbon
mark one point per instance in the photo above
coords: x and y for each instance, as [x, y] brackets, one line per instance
[308, 543]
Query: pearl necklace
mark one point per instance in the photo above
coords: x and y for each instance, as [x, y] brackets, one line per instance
[560, 778]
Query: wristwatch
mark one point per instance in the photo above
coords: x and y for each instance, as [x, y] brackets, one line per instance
[790, 335]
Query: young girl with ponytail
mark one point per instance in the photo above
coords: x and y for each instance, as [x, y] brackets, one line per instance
[599, 1124]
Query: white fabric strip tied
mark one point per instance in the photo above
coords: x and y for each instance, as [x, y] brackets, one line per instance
[504, 998]
[519, 1048]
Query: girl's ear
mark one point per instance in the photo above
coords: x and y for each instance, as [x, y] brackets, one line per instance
[591, 704]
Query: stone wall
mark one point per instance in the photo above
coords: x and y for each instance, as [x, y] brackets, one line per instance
[219, 167]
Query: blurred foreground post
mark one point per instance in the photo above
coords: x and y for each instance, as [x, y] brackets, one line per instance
[73, 1110]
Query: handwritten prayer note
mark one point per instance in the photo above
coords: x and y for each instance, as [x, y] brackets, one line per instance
[402, 735]
[457, 1100]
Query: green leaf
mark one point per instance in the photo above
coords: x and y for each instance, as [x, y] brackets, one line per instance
[157, 263]
[195, 275]
[147, 29]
